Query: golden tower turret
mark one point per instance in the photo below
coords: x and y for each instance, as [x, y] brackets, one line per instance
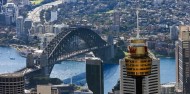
[137, 62]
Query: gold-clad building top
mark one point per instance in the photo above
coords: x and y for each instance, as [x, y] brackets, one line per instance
[138, 63]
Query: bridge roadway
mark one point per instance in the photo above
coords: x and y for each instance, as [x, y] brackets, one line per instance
[26, 70]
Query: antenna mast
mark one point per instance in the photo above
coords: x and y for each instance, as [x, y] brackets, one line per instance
[138, 31]
[137, 13]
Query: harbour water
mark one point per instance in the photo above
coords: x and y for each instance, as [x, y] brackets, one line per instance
[68, 70]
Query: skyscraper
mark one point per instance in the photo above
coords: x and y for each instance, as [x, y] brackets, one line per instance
[116, 21]
[150, 83]
[19, 26]
[183, 60]
[94, 75]
[11, 10]
[26, 30]
[174, 32]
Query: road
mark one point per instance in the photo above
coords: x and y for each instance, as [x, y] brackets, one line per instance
[34, 15]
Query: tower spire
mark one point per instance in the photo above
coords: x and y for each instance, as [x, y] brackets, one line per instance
[138, 31]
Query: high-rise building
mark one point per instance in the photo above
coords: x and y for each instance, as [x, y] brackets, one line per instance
[94, 75]
[183, 61]
[19, 26]
[12, 83]
[11, 10]
[150, 83]
[168, 88]
[2, 2]
[174, 32]
[29, 60]
[116, 21]
[26, 29]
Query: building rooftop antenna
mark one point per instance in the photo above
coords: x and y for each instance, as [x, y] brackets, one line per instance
[137, 13]
[138, 30]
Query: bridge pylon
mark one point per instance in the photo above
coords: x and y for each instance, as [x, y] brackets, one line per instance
[44, 64]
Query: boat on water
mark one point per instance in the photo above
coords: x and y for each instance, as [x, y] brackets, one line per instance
[11, 58]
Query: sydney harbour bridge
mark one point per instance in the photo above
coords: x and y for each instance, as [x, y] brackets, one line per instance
[66, 45]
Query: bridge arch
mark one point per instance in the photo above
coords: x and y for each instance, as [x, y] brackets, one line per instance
[60, 45]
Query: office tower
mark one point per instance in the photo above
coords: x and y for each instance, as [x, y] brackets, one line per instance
[2, 18]
[94, 75]
[12, 83]
[26, 32]
[11, 10]
[29, 60]
[174, 32]
[168, 88]
[150, 83]
[19, 26]
[116, 21]
[2, 2]
[27, 24]
[8, 19]
[183, 61]
[138, 63]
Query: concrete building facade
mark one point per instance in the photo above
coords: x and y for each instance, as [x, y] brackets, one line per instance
[183, 61]
[168, 88]
[12, 83]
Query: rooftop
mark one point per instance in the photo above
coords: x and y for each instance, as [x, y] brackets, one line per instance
[7, 75]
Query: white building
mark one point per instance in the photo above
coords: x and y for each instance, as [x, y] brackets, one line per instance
[83, 91]
[168, 88]
[43, 89]
[53, 15]
[151, 83]
[10, 9]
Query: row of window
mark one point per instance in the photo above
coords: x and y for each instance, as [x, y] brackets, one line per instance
[135, 61]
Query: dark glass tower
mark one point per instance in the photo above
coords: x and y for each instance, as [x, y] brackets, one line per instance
[94, 75]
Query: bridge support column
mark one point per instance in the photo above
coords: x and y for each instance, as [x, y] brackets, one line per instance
[108, 53]
[44, 64]
[45, 72]
[110, 50]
